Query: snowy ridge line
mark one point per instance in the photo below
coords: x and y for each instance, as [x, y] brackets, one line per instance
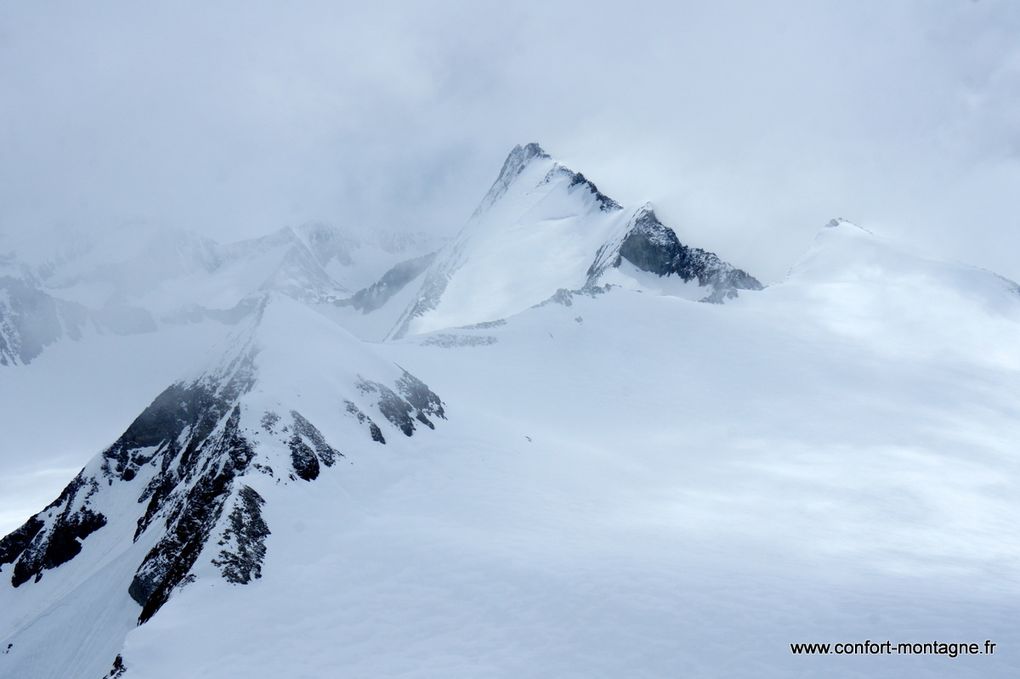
[543, 227]
[164, 277]
[183, 491]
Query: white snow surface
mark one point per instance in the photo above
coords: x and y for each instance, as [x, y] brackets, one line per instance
[661, 488]
[629, 485]
[540, 235]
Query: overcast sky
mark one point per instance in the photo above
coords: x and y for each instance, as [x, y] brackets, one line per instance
[749, 124]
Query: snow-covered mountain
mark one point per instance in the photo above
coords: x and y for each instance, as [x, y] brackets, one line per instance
[542, 228]
[182, 490]
[564, 466]
[32, 318]
[141, 279]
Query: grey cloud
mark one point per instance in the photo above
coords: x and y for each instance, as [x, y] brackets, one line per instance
[749, 124]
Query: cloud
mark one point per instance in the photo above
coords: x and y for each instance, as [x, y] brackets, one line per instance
[749, 124]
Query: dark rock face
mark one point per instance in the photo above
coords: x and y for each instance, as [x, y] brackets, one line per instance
[13, 545]
[244, 540]
[303, 459]
[194, 409]
[117, 670]
[605, 203]
[192, 500]
[53, 536]
[395, 409]
[307, 431]
[654, 247]
[179, 427]
[308, 447]
[420, 397]
[63, 544]
[185, 458]
[190, 515]
[415, 402]
[178, 408]
[393, 281]
[373, 429]
[189, 441]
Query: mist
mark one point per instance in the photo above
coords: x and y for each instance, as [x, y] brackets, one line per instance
[276, 400]
[749, 126]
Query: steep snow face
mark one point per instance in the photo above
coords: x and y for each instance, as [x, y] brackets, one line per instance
[182, 491]
[534, 232]
[541, 228]
[629, 484]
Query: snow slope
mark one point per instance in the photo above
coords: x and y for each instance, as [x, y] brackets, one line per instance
[543, 227]
[618, 481]
[181, 491]
[641, 493]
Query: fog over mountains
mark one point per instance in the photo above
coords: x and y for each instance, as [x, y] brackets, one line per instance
[568, 441]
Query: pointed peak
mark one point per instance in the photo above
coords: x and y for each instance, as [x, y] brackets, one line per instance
[645, 218]
[646, 211]
[529, 151]
[519, 158]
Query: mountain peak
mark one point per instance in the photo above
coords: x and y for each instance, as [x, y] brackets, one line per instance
[646, 211]
[532, 149]
[519, 158]
[184, 486]
[841, 247]
[543, 227]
